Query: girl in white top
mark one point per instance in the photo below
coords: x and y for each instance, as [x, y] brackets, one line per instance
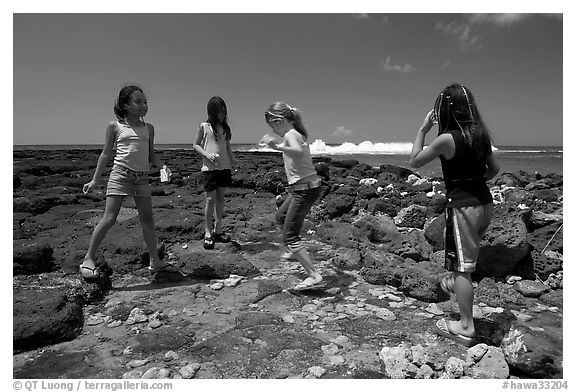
[133, 140]
[213, 144]
[304, 183]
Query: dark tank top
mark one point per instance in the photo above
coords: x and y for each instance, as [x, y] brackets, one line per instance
[464, 175]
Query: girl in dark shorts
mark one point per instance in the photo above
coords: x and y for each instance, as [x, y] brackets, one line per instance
[213, 143]
[465, 151]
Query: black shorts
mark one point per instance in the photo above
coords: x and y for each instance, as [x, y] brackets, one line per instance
[214, 179]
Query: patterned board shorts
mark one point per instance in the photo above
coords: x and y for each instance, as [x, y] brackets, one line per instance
[465, 227]
[127, 182]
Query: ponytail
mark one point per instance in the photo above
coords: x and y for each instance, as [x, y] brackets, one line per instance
[295, 118]
[292, 115]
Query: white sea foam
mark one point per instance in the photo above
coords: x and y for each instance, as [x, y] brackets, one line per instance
[366, 147]
[319, 147]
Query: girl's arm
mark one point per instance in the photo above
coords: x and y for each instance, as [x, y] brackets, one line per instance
[198, 145]
[442, 145]
[152, 157]
[492, 167]
[105, 156]
[291, 145]
[230, 154]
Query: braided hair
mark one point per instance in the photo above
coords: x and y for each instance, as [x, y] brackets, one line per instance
[455, 109]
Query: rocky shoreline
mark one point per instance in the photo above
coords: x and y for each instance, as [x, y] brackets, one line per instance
[377, 237]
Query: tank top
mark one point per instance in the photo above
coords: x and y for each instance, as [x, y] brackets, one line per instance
[211, 145]
[300, 167]
[132, 147]
[464, 175]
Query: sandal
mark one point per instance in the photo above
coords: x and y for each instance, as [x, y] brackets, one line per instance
[209, 242]
[165, 268]
[93, 274]
[222, 237]
[309, 284]
[443, 329]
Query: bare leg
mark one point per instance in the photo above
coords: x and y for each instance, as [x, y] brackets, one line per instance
[209, 212]
[465, 297]
[144, 205]
[308, 263]
[219, 208]
[113, 204]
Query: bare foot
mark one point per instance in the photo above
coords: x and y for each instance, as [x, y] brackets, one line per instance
[316, 278]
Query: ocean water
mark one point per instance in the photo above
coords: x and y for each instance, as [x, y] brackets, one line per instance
[542, 159]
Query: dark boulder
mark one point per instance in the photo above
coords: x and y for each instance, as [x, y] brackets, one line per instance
[30, 257]
[44, 316]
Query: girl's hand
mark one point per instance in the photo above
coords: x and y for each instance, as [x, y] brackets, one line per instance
[269, 140]
[429, 121]
[212, 157]
[89, 186]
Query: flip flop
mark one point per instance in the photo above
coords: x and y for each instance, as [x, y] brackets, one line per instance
[448, 287]
[443, 329]
[308, 284]
[89, 274]
[93, 274]
[209, 242]
[171, 268]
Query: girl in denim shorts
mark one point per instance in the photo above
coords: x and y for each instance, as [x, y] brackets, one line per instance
[304, 184]
[465, 151]
[133, 140]
[213, 144]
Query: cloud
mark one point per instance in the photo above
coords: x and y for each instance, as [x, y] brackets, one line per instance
[462, 31]
[342, 131]
[383, 19]
[466, 32]
[498, 19]
[446, 65]
[406, 68]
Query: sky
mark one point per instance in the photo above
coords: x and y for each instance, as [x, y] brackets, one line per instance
[355, 76]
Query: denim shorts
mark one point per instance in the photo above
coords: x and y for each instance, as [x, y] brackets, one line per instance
[465, 227]
[214, 179]
[127, 182]
[292, 213]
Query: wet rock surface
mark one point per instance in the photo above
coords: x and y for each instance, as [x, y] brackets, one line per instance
[374, 236]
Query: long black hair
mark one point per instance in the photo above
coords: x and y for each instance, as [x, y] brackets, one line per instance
[124, 99]
[455, 108]
[214, 106]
